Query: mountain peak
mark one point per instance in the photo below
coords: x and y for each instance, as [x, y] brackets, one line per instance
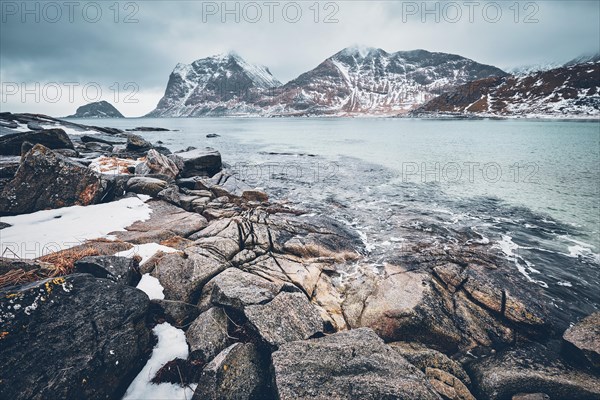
[360, 51]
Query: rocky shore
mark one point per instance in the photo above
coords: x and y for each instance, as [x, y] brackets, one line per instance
[217, 292]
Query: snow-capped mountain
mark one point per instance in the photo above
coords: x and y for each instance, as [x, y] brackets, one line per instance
[222, 84]
[354, 81]
[372, 81]
[569, 91]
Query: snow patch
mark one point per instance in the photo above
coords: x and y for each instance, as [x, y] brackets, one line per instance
[146, 251]
[171, 344]
[151, 286]
[44, 232]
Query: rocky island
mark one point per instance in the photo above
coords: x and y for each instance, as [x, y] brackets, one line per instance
[99, 109]
[158, 274]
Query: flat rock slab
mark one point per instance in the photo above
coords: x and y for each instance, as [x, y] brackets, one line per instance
[238, 289]
[286, 318]
[71, 338]
[51, 138]
[354, 364]
[166, 221]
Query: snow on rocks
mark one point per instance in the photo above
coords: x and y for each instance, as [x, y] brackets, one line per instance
[171, 344]
[43, 232]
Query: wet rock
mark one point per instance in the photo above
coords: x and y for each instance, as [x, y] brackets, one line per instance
[402, 305]
[8, 124]
[148, 129]
[286, 318]
[99, 147]
[531, 396]
[157, 163]
[177, 313]
[119, 269]
[530, 369]
[99, 139]
[207, 335]
[145, 185]
[136, 143]
[200, 162]
[583, 339]
[51, 138]
[72, 337]
[354, 364]
[46, 180]
[183, 276]
[238, 372]
[255, 195]
[34, 126]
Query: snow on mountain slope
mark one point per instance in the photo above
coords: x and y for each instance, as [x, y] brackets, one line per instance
[569, 91]
[354, 81]
[213, 86]
[372, 81]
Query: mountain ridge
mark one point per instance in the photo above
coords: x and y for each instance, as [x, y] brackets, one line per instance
[352, 81]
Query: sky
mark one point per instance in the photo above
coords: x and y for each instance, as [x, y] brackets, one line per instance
[58, 55]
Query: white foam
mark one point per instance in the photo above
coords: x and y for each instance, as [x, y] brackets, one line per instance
[510, 249]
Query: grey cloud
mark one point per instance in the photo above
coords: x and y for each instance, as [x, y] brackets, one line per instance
[172, 32]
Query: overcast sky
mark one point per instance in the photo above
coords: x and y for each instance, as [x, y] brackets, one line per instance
[63, 43]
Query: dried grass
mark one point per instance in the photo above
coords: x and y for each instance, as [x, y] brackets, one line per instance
[18, 277]
[63, 261]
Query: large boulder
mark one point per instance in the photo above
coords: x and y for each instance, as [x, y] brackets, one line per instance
[402, 305]
[286, 318]
[532, 368]
[157, 163]
[200, 162]
[238, 372]
[146, 185]
[136, 143]
[46, 180]
[237, 289]
[71, 338]
[51, 138]
[207, 336]
[583, 339]
[354, 364]
[184, 275]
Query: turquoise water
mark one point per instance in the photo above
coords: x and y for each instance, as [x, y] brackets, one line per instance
[549, 167]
